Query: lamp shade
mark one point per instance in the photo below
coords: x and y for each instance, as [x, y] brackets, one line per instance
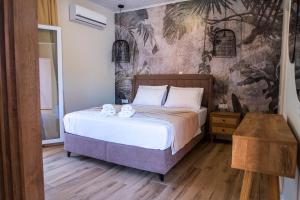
[224, 44]
[121, 52]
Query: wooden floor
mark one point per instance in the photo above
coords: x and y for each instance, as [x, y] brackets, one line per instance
[204, 173]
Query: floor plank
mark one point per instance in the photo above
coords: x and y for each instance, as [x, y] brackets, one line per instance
[204, 173]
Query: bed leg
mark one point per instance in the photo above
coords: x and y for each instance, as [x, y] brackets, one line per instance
[69, 154]
[162, 177]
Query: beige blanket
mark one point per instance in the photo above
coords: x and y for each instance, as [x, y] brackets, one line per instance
[185, 123]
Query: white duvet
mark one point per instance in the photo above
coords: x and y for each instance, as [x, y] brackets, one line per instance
[145, 132]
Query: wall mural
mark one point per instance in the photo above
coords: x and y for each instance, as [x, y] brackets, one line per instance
[294, 41]
[179, 38]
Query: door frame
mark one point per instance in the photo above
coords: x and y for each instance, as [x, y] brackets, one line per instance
[21, 164]
[57, 29]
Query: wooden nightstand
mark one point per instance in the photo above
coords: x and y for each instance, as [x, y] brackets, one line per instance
[223, 123]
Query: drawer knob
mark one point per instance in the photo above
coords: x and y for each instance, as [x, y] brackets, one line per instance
[223, 120]
[223, 130]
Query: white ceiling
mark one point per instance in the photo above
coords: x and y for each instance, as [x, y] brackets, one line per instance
[132, 4]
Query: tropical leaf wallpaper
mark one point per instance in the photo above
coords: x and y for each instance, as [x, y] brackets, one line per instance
[179, 38]
[294, 41]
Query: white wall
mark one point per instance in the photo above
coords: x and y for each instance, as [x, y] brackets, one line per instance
[289, 104]
[89, 74]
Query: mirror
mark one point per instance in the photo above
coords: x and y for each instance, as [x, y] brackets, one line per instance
[294, 41]
[51, 98]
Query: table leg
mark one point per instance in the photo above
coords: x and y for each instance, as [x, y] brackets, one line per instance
[273, 192]
[247, 185]
[274, 188]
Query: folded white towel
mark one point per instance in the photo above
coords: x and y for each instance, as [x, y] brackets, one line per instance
[108, 110]
[109, 113]
[126, 114]
[127, 108]
[108, 107]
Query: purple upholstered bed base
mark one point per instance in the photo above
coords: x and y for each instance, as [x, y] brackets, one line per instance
[151, 160]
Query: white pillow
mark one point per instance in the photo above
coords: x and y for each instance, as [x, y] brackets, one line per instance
[150, 95]
[185, 97]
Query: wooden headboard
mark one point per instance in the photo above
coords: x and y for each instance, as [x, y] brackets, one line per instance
[184, 80]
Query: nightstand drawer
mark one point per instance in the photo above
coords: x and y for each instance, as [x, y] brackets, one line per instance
[223, 120]
[223, 130]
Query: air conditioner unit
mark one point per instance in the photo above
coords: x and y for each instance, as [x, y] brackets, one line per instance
[88, 17]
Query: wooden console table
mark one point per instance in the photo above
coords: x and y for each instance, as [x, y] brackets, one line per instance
[264, 143]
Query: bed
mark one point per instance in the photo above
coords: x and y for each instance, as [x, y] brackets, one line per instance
[113, 144]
